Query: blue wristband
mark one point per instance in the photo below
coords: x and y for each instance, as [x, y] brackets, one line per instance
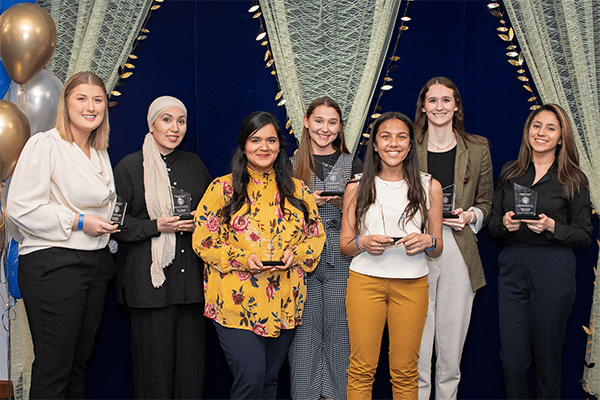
[80, 224]
[357, 246]
[433, 241]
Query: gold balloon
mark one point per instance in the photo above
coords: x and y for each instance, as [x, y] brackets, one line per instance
[14, 132]
[27, 40]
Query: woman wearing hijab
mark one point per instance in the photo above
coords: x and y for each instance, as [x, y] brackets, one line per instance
[161, 279]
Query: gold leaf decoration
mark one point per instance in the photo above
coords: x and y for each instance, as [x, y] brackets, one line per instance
[142, 37]
[120, 84]
[405, 18]
[535, 107]
[493, 5]
[288, 124]
[112, 103]
[257, 15]
[125, 75]
[523, 78]
[496, 14]
[534, 98]
[587, 330]
[115, 93]
[144, 30]
[261, 36]
[502, 29]
[394, 58]
[521, 71]
[504, 37]
[366, 135]
[273, 72]
[387, 79]
[511, 34]
[278, 95]
[502, 21]
[403, 28]
[267, 54]
[375, 116]
[130, 66]
[282, 102]
[253, 8]
[378, 108]
[159, 1]
[521, 58]
[269, 63]
[386, 87]
[292, 131]
[514, 62]
[155, 7]
[528, 88]
[512, 54]
[511, 47]
[133, 56]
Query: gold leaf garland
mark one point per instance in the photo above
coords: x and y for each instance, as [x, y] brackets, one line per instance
[515, 58]
[123, 74]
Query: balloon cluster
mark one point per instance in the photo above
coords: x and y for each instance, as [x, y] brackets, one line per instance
[27, 42]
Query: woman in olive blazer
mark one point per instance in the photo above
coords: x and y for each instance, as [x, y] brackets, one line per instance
[452, 156]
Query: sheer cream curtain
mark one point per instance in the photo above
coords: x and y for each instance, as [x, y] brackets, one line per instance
[561, 45]
[332, 48]
[92, 35]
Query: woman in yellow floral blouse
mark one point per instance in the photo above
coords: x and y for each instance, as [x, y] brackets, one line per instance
[259, 231]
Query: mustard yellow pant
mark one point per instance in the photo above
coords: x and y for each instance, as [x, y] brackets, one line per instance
[370, 303]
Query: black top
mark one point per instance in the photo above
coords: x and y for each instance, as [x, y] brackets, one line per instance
[441, 166]
[184, 276]
[573, 217]
[331, 159]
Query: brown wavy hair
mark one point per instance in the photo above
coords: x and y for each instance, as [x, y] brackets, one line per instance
[569, 175]
[421, 123]
[367, 193]
[304, 157]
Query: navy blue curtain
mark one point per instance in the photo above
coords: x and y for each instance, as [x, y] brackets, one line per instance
[205, 53]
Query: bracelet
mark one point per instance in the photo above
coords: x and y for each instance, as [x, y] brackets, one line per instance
[433, 241]
[357, 246]
[80, 223]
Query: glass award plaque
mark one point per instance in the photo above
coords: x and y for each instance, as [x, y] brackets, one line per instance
[266, 254]
[448, 201]
[182, 204]
[118, 214]
[334, 180]
[525, 203]
[398, 233]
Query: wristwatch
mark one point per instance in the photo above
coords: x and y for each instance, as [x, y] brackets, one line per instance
[433, 241]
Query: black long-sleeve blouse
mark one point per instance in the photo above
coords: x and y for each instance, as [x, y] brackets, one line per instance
[184, 276]
[573, 216]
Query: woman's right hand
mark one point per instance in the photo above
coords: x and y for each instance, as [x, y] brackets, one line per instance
[254, 264]
[375, 244]
[95, 225]
[512, 225]
[321, 201]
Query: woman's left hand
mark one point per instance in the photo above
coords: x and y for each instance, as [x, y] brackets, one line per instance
[185, 225]
[416, 242]
[288, 259]
[335, 201]
[458, 224]
[545, 223]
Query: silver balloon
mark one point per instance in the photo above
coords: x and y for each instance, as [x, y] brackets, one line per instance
[38, 99]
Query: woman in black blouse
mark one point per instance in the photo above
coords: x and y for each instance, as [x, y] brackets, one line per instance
[161, 279]
[536, 282]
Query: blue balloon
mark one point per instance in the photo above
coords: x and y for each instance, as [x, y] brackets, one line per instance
[6, 4]
[12, 268]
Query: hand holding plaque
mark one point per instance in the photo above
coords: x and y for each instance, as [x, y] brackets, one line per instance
[182, 204]
[525, 203]
[266, 254]
[448, 201]
[118, 215]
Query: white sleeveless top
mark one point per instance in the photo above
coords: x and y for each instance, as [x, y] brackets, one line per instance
[383, 218]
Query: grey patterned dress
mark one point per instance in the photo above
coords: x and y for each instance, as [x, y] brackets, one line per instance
[320, 350]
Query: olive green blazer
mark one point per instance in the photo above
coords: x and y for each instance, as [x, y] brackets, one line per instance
[478, 192]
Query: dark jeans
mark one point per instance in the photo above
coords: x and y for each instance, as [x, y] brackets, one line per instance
[536, 290]
[254, 360]
[63, 291]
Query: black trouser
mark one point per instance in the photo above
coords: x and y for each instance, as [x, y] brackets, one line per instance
[254, 360]
[168, 351]
[536, 289]
[63, 291]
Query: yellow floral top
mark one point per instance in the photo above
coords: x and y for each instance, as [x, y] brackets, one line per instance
[268, 301]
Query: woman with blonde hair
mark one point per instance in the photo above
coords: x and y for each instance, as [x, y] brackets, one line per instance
[61, 198]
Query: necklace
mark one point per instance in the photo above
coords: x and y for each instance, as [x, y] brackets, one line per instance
[446, 147]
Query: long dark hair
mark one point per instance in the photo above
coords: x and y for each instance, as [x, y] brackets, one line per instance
[421, 123]
[239, 168]
[304, 157]
[417, 198]
[569, 175]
